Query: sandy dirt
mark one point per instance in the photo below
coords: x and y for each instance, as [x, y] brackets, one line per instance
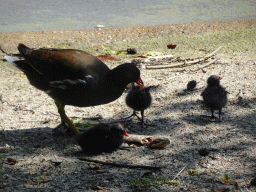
[28, 116]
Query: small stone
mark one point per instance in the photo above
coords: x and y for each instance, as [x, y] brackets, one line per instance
[131, 51]
[203, 152]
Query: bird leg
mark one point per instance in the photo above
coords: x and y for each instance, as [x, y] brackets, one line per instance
[213, 117]
[134, 114]
[142, 118]
[64, 119]
[220, 110]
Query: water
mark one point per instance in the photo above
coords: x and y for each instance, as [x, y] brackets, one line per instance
[37, 15]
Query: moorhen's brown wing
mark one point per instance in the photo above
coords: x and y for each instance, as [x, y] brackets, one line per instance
[60, 64]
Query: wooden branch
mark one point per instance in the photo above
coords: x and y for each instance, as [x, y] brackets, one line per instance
[207, 64]
[179, 173]
[176, 64]
[211, 54]
[158, 57]
[120, 164]
[3, 51]
[165, 66]
[185, 62]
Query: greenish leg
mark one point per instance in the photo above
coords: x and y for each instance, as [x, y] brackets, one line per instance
[64, 119]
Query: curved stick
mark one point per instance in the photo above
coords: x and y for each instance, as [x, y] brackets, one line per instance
[120, 164]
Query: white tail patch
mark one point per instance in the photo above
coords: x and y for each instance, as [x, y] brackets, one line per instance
[11, 63]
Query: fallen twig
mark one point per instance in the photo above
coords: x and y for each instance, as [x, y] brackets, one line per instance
[158, 57]
[120, 164]
[185, 62]
[207, 64]
[179, 173]
[3, 51]
[165, 66]
[211, 54]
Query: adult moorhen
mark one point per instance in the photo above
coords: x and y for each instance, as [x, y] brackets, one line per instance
[138, 101]
[74, 77]
[102, 138]
[214, 96]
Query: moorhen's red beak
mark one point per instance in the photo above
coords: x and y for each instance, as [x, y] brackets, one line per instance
[125, 133]
[220, 78]
[140, 83]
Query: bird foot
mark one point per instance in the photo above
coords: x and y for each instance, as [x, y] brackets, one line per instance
[62, 129]
[213, 118]
[142, 120]
[134, 114]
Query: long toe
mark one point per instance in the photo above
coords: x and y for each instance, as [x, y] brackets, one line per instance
[132, 115]
[61, 129]
[137, 116]
[213, 118]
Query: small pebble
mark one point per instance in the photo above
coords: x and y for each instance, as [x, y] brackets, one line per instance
[131, 51]
[203, 152]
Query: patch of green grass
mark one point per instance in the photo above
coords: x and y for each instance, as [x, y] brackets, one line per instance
[240, 42]
[41, 179]
[141, 184]
[233, 42]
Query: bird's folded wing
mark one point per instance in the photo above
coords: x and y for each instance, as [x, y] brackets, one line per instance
[68, 83]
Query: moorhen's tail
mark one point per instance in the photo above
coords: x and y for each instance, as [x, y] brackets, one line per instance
[12, 62]
[17, 60]
[17, 64]
[24, 50]
[35, 78]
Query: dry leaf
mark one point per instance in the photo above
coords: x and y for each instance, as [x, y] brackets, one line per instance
[12, 163]
[196, 171]
[171, 46]
[101, 171]
[227, 181]
[95, 187]
[142, 56]
[106, 57]
[220, 190]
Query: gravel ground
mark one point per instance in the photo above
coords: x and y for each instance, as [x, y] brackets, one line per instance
[27, 117]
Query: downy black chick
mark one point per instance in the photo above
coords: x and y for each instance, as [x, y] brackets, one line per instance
[102, 138]
[191, 85]
[214, 95]
[139, 101]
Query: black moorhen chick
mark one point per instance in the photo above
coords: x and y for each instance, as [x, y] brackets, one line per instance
[102, 138]
[215, 96]
[74, 77]
[138, 101]
[191, 85]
